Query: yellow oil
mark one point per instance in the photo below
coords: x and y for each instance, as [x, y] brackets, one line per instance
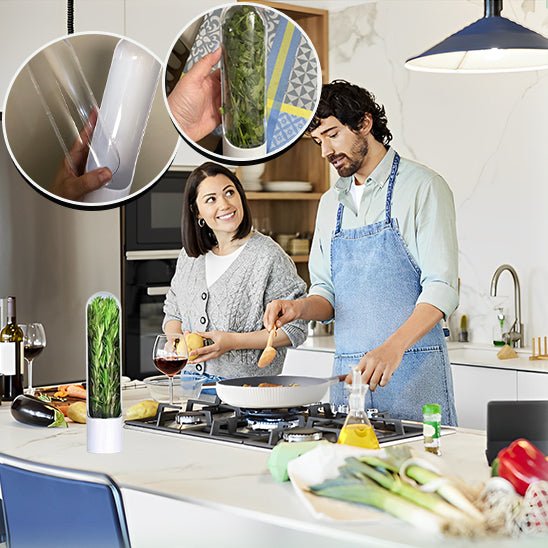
[360, 435]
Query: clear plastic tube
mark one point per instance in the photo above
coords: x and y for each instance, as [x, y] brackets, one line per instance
[70, 105]
[243, 82]
[125, 108]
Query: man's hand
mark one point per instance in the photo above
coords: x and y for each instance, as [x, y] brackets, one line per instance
[195, 101]
[378, 365]
[70, 185]
[223, 341]
[280, 312]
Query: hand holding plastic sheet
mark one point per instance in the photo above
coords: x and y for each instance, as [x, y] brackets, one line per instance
[67, 183]
[195, 101]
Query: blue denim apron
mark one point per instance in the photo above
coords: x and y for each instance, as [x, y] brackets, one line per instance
[377, 284]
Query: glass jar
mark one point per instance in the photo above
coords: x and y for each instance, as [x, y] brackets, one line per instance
[243, 80]
[432, 427]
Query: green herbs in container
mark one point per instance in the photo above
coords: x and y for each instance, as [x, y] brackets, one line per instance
[104, 405]
[243, 34]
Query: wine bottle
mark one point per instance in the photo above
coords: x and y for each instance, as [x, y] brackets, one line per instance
[11, 355]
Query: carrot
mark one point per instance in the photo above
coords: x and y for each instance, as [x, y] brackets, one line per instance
[77, 391]
[60, 394]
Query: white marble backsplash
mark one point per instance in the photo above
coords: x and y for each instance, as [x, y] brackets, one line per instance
[485, 134]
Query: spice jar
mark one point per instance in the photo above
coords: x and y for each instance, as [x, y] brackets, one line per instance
[243, 81]
[432, 427]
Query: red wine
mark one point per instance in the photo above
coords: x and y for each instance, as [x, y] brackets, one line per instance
[170, 366]
[32, 351]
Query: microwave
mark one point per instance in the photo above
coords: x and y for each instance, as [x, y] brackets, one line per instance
[153, 221]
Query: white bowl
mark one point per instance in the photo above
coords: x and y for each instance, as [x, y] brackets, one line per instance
[158, 386]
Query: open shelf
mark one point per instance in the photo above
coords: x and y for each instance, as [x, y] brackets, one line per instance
[283, 195]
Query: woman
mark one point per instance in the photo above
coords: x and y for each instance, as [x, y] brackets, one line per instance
[226, 275]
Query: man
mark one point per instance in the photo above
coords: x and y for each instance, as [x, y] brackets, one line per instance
[383, 261]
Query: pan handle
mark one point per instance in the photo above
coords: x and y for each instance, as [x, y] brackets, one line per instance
[336, 379]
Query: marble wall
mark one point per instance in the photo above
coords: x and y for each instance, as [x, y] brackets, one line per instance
[486, 134]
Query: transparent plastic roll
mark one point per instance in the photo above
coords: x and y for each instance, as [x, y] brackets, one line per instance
[125, 109]
[71, 107]
[243, 82]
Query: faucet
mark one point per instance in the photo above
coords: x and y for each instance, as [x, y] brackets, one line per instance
[515, 334]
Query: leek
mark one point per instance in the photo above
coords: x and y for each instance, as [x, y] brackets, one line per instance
[365, 491]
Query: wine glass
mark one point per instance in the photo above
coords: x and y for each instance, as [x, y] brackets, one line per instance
[170, 355]
[34, 341]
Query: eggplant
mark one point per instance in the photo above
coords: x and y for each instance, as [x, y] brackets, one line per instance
[30, 410]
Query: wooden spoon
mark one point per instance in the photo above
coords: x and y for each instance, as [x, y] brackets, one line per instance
[269, 353]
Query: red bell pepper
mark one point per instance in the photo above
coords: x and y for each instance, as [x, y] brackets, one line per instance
[522, 463]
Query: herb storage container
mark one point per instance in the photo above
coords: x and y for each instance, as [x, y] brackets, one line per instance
[104, 403]
[243, 82]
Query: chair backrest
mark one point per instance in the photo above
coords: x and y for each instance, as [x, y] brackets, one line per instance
[52, 506]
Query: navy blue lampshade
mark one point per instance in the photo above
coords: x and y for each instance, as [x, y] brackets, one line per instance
[491, 44]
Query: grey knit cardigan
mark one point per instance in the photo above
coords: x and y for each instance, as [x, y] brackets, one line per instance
[236, 302]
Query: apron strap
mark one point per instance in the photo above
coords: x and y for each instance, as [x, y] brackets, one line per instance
[391, 182]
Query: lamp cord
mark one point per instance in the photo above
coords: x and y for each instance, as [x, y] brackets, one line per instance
[70, 16]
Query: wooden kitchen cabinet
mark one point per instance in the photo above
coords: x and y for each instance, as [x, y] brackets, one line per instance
[532, 386]
[475, 387]
[295, 212]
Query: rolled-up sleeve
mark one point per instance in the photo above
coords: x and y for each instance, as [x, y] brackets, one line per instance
[437, 246]
[319, 263]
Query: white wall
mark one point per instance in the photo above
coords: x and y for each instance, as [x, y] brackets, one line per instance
[486, 134]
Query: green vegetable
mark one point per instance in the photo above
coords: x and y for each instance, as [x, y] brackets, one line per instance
[365, 491]
[104, 358]
[433, 482]
[495, 468]
[244, 71]
[393, 483]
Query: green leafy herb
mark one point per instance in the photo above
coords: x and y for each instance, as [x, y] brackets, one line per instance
[104, 358]
[244, 70]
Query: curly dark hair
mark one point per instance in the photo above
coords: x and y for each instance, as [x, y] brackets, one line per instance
[349, 103]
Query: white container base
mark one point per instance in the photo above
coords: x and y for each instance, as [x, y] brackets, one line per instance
[104, 435]
[235, 152]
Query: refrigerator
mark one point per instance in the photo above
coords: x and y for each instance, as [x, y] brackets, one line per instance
[52, 259]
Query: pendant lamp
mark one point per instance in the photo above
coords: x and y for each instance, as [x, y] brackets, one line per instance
[491, 44]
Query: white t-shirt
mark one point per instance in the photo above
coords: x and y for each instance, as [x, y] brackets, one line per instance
[357, 193]
[217, 265]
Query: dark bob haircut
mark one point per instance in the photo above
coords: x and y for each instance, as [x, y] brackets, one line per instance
[198, 240]
[349, 104]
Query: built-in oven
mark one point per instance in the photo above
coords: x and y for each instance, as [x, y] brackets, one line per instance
[151, 235]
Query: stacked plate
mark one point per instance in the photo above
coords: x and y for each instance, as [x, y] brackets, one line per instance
[252, 186]
[288, 186]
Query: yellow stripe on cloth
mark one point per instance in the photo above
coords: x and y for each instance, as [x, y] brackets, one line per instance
[280, 62]
[290, 109]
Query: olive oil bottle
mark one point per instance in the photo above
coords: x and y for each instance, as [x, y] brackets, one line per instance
[357, 429]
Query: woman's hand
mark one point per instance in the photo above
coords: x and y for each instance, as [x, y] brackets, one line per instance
[378, 365]
[223, 341]
[280, 312]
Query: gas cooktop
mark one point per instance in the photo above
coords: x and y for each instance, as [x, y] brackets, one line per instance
[264, 428]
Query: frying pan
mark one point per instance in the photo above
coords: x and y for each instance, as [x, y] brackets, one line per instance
[307, 390]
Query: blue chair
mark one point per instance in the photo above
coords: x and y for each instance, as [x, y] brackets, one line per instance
[50, 506]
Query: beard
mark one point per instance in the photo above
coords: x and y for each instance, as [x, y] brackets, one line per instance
[354, 159]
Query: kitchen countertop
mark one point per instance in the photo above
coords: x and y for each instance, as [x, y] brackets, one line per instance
[459, 353]
[173, 488]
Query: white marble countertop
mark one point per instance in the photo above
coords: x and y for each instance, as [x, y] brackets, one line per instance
[164, 475]
[459, 353]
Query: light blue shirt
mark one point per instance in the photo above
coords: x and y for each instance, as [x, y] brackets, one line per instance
[423, 205]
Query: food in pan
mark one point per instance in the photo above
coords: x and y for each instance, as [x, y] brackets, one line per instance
[270, 385]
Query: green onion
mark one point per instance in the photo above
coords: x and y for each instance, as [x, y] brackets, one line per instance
[393, 483]
[365, 491]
